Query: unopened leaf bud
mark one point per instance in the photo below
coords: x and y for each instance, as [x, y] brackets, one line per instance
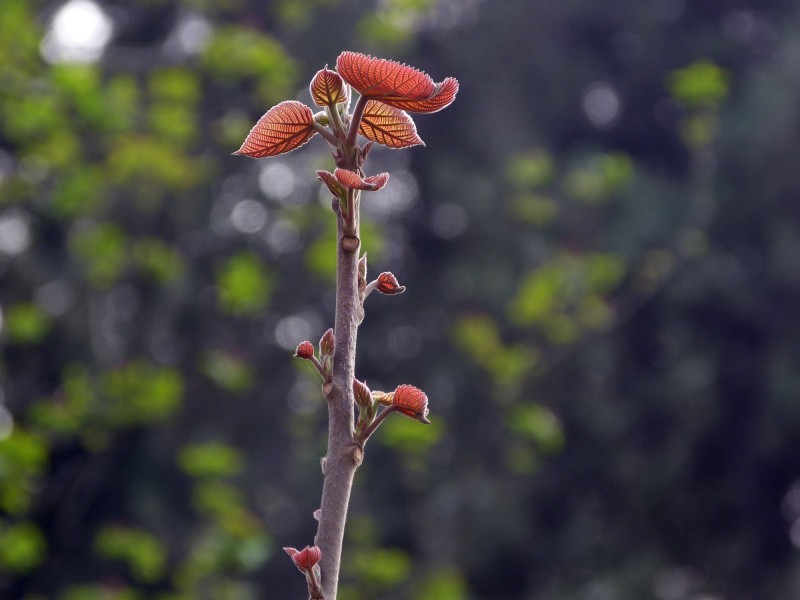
[361, 393]
[305, 350]
[388, 284]
[327, 344]
[412, 402]
[306, 558]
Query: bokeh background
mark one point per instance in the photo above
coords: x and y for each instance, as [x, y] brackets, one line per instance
[601, 244]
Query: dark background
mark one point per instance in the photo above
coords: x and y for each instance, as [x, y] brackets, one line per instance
[601, 244]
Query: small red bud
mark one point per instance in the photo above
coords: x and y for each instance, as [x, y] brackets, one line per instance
[306, 558]
[387, 284]
[305, 350]
[327, 344]
[412, 402]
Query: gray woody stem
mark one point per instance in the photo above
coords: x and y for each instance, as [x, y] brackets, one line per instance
[344, 455]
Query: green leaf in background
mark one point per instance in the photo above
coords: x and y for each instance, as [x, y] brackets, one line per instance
[701, 85]
[599, 177]
[100, 592]
[141, 393]
[321, 253]
[102, 249]
[244, 285]
[531, 169]
[237, 52]
[26, 323]
[23, 459]
[158, 259]
[536, 209]
[123, 94]
[229, 372]
[537, 424]
[176, 86]
[22, 546]
[478, 337]
[381, 568]
[143, 553]
[410, 437]
[566, 296]
[79, 192]
[443, 584]
[210, 459]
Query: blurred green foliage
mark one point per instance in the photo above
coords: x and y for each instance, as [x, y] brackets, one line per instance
[244, 285]
[26, 323]
[22, 546]
[142, 552]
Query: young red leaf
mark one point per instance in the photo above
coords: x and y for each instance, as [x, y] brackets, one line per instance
[377, 77]
[389, 126]
[412, 402]
[395, 84]
[283, 128]
[352, 180]
[306, 558]
[335, 188]
[327, 88]
[443, 96]
[388, 284]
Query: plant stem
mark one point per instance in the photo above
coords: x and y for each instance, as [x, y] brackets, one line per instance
[355, 121]
[344, 455]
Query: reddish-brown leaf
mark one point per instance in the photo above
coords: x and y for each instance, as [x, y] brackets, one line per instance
[375, 77]
[352, 180]
[327, 88]
[442, 97]
[283, 128]
[389, 126]
[412, 402]
[388, 284]
[306, 558]
[395, 84]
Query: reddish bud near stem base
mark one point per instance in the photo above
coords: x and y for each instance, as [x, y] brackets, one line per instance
[305, 350]
[361, 393]
[306, 558]
[333, 185]
[351, 179]
[388, 284]
[412, 402]
[327, 344]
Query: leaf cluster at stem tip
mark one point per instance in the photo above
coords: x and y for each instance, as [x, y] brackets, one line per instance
[388, 91]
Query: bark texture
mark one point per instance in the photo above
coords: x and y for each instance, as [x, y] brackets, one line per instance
[344, 456]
